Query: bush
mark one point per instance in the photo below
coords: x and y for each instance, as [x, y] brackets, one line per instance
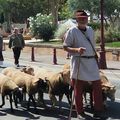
[94, 25]
[97, 36]
[59, 33]
[110, 35]
[63, 27]
[42, 26]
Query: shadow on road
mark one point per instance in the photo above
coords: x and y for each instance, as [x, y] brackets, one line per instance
[112, 112]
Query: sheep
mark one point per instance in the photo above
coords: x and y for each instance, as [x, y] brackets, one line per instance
[58, 83]
[66, 66]
[58, 86]
[29, 83]
[27, 69]
[108, 90]
[38, 73]
[8, 87]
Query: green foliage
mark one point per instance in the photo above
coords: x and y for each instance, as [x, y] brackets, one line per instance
[89, 5]
[113, 44]
[59, 33]
[64, 12]
[112, 34]
[42, 26]
[95, 25]
[97, 36]
[1, 18]
[111, 8]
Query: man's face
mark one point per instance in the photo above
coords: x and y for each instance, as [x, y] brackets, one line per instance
[81, 20]
[16, 31]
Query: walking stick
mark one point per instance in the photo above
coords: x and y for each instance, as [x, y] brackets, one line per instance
[73, 98]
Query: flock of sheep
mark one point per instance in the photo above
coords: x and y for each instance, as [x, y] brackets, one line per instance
[16, 83]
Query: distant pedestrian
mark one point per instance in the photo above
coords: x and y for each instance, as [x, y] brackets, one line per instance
[16, 42]
[1, 46]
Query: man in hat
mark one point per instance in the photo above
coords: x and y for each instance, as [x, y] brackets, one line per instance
[84, 68]
[17, 43]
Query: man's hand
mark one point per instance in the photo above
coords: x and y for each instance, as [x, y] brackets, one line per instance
[81, 50]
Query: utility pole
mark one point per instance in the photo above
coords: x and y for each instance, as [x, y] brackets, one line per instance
[102, 61]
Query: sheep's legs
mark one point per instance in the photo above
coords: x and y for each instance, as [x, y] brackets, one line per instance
[60, 101]
[40, 98]
[15, 100]
[53, 99]
[3, 101]
[68, 98]
[33, 101]
[71, 90]
[11, 102]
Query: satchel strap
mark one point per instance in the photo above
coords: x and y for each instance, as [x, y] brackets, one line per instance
[87, 38]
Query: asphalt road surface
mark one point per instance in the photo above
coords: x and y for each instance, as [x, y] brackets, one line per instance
[20, 113]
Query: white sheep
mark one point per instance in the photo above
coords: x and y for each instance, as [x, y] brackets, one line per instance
[7, 87]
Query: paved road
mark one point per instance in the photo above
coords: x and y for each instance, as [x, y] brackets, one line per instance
[113, 74]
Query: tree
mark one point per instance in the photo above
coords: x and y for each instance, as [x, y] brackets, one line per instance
[55, 5]
[111, 7]
[63, 11]
[91, 6]
[2, 18]
[112, 10]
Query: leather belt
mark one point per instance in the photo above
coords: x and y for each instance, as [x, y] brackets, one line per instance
[88, 57]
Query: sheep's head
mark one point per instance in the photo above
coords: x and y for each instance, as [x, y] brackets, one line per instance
[66, 75]
[66, 66]
[28, 70]
[109, 91]
[43, 85]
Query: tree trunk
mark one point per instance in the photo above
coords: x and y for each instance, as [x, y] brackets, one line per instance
[54, 10]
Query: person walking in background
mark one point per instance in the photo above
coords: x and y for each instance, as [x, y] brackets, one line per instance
[84, 68]
[16, 42]
[1, 46]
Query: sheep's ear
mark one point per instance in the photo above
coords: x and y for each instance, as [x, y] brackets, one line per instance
[61, 73]
[47, 81]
